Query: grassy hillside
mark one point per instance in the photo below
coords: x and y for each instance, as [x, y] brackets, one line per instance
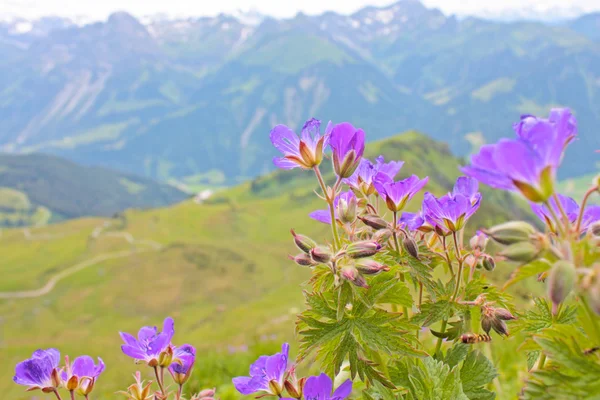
[218, 268]
[37, 188]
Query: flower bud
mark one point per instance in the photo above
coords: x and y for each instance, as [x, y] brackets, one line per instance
[370, 267]
[275, 388]
[523, 252]
[594, 229]
[511, 232]
[86, 385]
[503, 314]
[347, 166]
[206, 394]
[303, 259]
[363, 249]
[321, 254]
[479, 241]
[55, 376]
[487, 262]
[499, 326]
[347, 210]
[295, 390]
[411, 246]
[561, 281]
[72, 383]
[165, 358]
[350, 273]
[382, 235]
[374, 221]
[486, 323]
[304, 243]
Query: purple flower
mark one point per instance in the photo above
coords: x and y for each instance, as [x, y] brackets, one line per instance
[348, 145]
[320, 388]
[528, 163]
[362, 179]
[571, 208]
[341, 204]
[40, 371]
[82, 374]
[150, 343]
[266, 374]
[452, 211]
[397, 194]
[305, 152]
[412, 221]
[184, 358]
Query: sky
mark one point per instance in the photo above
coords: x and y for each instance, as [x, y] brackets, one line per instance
[100, 9]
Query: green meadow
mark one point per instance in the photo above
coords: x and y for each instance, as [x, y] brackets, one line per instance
[219, 268]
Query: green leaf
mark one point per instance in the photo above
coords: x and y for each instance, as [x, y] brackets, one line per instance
[532, 358]
[456, 354]
[476, 372]
[357, 333]
[569, 373]
[434, 312]
[429, 379]
[541, 317]
[527, 271]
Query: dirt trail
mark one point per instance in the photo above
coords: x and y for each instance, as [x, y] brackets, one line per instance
[98, 232]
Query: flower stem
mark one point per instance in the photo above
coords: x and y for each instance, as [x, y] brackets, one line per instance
[330, 202]
[159, 381]
[460, 267]
[72, 395]
[179, 392]
[560, 227]
[562, 211]
[397, 244]
[57, 395]
[582, 209]
[447, 256]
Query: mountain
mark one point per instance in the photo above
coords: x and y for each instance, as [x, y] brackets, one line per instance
[220, 268]
[194, 99]
[38, 188]
[588, 25]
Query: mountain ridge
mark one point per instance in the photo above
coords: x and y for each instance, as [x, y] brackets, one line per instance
[179, 102]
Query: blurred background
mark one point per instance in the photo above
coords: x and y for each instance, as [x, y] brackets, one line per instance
[136, 179]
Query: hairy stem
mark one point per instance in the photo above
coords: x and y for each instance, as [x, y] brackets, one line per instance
[159, 381]
[330, 202]
[562, 212]
[419, 307]
[582, 209]
[559, 225]
[397, 244]
[448, 261]
[459, 258]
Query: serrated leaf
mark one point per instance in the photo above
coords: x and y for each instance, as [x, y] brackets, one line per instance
[527, 271]
[532, 358]
[358, 333]
[456, 354]
[541, 317]
[476, 372]
[434, 312]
